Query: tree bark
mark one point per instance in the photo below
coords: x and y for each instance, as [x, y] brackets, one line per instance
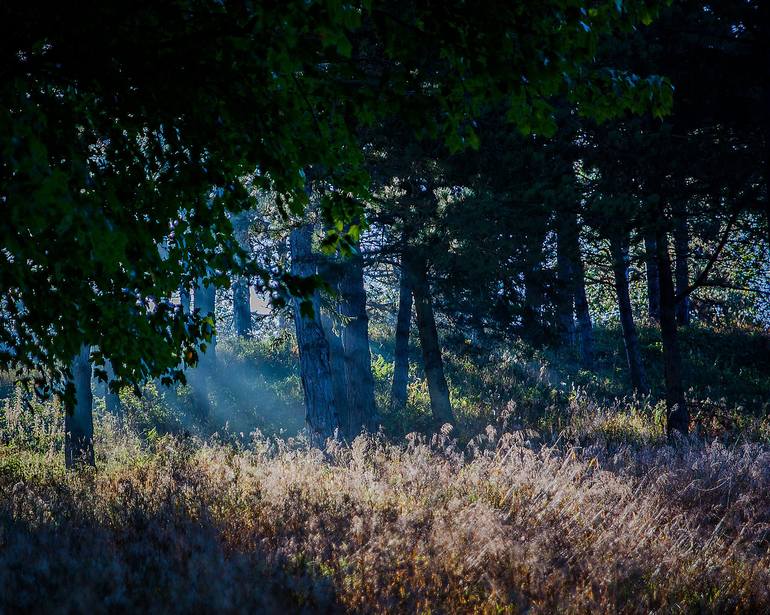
[112, 400]
[619, 251]
[78, 417]
[337, 367]
[682, 250]
[585, 332]
[398, 393]
[241, 307]
[441, 407]
[321, 414]
[584, 326]
[205, 302]
[533, 292]
[204, 298]
[678, 416]
[565, 269]
[241, 291]
[653, 281]
[355, 342]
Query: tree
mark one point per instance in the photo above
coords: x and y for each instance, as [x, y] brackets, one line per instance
[113, 143]
[433, 364]
[362, 407]
[321, 411]
[619, 256]
[241, 286]
[398, 394]
[78, 423]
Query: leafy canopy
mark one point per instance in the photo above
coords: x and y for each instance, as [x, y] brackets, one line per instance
[130, 133]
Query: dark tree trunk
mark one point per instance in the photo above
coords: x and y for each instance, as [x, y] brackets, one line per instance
[653, 282]
[571, 239]
[565, 269]
[241, 307]
[533, 293]
[619, 250]
[678, 413]
[241, 292]
[431, 351]
[764, 20]
[112, 400]
[584, 326]
[355, 342]
[682, 249]
[78, 417]
[339, 380]
[205, 302]
[321, 413]
[398, 393]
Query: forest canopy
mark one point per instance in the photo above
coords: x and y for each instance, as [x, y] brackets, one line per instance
[132, 134]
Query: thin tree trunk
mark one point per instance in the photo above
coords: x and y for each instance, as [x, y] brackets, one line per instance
[533, 293]
[653, 281]
[78, 417]
[682, 249]
[205, 302]
[441, 407]
[321, 413]
[571, 233]
[619, 250]
[355, 341]
[112, 400]
[398, 393]
[678, 418]
[204, 298]
[565, 269]
[241, 307]
[241, 292]
[584, 326]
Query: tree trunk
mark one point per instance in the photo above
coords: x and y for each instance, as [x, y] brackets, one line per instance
[78, 417]
[204, 298]
[571, 235]
[533, 293]
[241, 292]
[112, 400]
[619, 250]
[321, 413]
[584, 326]
[653, 281]
[682, 249]
[339, 380]
[205, 302]
[565, 269]
[398, 393]
[355, 342]
[678, 418]
[241, 307]
[431, 351]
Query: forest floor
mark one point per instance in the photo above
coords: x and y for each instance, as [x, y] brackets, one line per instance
[507, 523]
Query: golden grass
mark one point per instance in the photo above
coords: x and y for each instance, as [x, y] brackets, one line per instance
[503, 525]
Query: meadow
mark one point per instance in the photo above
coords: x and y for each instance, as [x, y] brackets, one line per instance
[568, 501]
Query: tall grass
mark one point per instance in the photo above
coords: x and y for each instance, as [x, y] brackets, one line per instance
[608, 518]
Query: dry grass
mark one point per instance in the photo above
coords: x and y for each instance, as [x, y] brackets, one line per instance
[504, 525]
